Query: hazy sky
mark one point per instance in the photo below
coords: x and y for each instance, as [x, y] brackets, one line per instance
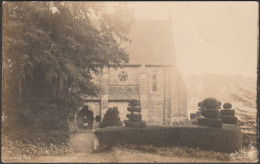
[210, 37]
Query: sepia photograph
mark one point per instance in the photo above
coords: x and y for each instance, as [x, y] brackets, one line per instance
[129, 82]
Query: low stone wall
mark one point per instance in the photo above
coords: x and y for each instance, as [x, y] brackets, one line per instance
[226, 139]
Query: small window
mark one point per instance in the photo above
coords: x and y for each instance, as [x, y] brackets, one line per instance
[154, 82]
[154, 86]
[98, 118]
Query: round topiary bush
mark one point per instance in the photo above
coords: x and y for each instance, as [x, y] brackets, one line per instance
[210, 103]
[227, 106]
[111, 118]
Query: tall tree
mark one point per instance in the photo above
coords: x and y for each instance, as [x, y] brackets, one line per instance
[49, 52]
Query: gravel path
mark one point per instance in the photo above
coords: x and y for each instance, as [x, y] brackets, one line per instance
[114, 156]
[81, 141]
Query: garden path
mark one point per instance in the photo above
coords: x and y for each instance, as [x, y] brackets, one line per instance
[81, 141]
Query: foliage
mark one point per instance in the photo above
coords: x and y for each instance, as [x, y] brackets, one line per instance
[210, 103]
[28, 147]
[111, 118]
[227, 105]
[50, 50]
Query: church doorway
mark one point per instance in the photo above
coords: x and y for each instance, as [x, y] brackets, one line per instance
[85, 118]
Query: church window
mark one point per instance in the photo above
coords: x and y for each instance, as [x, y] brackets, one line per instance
[154, 82]
[122, 76]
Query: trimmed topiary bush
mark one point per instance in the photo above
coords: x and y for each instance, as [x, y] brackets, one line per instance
[134, 102]
[226, 139]
[213, 113]
[229, 120]
[134, 109]
[227, 106]
[111, 118]
[134, 120]
[210, 122]
[210, 103]
[227, 112]
[134, 117]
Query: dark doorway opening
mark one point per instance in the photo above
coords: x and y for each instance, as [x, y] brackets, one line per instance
[85, 118]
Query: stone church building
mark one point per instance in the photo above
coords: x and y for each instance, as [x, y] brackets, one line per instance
[151, 76]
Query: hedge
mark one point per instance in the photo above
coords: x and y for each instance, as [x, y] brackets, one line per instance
[226, 139]
[141, 124]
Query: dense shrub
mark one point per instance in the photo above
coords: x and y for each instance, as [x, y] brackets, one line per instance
[132, 124]
[227, 105]
[226, 139]
[111, 118]
[210, 103]
[38, 143]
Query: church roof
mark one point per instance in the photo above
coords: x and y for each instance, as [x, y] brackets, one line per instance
[151, 43]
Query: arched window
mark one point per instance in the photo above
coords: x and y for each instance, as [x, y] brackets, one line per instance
[154, 81]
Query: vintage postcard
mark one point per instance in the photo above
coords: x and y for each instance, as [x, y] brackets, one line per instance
[121, 82]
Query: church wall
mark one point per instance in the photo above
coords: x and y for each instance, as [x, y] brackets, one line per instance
[123, 83]
[132, 76]
[161, 105]
[155, 97]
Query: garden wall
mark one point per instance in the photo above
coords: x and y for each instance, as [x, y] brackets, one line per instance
[226, 139]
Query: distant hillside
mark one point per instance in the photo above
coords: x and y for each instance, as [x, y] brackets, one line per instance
[234, 89]
[238, 90]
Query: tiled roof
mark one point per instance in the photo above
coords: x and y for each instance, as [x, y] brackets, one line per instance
[151, 43]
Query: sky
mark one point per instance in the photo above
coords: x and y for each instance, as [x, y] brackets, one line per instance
[210, 37]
